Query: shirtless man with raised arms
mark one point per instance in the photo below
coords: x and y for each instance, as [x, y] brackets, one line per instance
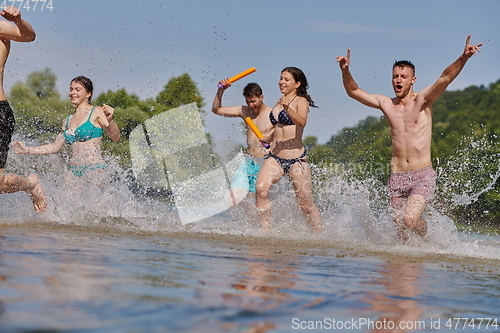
[412, 180]
[19, 31]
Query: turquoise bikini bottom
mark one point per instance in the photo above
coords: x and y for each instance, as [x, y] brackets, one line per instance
[80, 170]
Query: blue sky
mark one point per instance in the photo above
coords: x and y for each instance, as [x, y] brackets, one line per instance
[140, 45]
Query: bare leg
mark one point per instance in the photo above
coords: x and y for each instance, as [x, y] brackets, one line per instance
[268, 175]
[415, 207]
[236, 195]
[95, 178]
[300, 175]
[10, 183]
[244, 199]
[407, 215]
[398, 205]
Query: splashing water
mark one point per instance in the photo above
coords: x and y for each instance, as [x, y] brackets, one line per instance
[472, 170]
[355, 213]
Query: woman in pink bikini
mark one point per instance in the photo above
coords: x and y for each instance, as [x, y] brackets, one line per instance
[83, 131]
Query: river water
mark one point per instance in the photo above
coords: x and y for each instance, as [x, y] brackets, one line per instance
[112, 261]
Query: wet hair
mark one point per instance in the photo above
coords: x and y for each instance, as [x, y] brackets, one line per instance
[252, 89]
[404, 63]
[299, 76]
[86, 83]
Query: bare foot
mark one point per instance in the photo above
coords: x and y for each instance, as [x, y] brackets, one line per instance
[318, 227]
[265, 226]
[265, 218]
[37, 194]
[421, 229]
[402, 235]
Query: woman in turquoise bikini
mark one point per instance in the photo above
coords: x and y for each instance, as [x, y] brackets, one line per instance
[83, 131]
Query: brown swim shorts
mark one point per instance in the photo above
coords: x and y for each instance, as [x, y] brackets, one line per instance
[421, 181]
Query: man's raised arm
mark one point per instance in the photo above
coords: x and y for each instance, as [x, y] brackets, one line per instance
[351, 87]
[22, 31]
[431, 93]
[217, 108]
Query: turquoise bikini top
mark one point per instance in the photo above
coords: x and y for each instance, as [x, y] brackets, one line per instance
[85, 132]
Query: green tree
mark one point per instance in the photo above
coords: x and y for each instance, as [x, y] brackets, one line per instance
[321, 155]
[179, 91]
[38, 108]
[43, 84]
[310, 142]
[117, 99]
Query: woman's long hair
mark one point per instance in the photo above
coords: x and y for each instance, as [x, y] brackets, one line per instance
[299, 76]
